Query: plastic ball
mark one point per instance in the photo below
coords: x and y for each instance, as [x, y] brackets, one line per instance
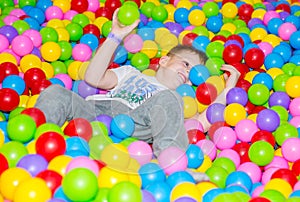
[215, 112]
[237, 95]
[79, 127]
[133, 43]
[268, 120]
[290, 148]
[217, 175]
[261, 153]
[233, 113]
[206, 93]
[198, 74]
[80, 184]
[286, 175]
[160, 190]
[33, 163]
[159, 13]
[229, 10]
[190, 107]
[140, 60]
[258, 94]
[252, 170]
[122, 126]
[151, 173]
[263, 135]
[294, 40]
[52, 179]
[51, 51]
[232, 54]
[115, 155]
[292, 86]
[279, 185]
[224, 138]
[239, 178]
[294, 107]
[9, 99]
[285, 30]
[125, 192]
[254, 58]
[196, 17]
[128, 14]
[22, 45]
[191, 193]
[210, 9]
[141, 151]
[82, 52]
[284, 132]
[208, 147]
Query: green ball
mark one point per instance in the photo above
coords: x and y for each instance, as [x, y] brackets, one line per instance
[159, 13]
[214, 66]
[147, 8]
[242, 196]
[210, 9]
[128, 14]
[66, 50]
[140, 60]
[273, 195]
[125, 192]
[289, 68]
[21, 26]
[48, 34]
[258, 94]
[23, 3]
[21, 128]
[59, 67]
[217, 175]
[46, 127]
[285, 131]
[102, 195]
[261, 153]
[80, 184]
[215, 49]
[201, 31]
[279, 82]
[225, 163]
[226, 197]
[127, 141]
[81, 19]
[75, 31]
[97, 143]
[99, 128]
[281, 111]
[106, 28]
[13, 152]
[15, 112]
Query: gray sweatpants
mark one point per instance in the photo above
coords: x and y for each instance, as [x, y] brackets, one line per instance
[159, 120]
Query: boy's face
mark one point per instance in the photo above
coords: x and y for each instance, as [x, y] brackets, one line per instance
[177, 67]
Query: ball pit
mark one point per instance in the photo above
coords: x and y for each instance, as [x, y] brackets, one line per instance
[250, 152]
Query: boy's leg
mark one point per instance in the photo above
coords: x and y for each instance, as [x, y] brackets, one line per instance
[161, 118]
[60, 104]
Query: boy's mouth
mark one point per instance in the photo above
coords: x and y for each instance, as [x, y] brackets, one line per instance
[182, 77]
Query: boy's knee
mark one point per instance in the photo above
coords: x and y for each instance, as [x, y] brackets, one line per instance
[53, 90]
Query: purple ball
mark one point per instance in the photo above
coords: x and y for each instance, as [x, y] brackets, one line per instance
[279, 98]
[33, 163]
[254, 21]
[234, 42]
[106, 119]
[283, 15]
[9, 32]
[144, 19]
[215, 112]
[237, 95]
[147, 196]
[268, 120]
[85, 89]
[56, 200]
[36, 51]
[185, 199]
[174, 28]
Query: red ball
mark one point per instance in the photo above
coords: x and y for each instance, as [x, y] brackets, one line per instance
[6, 69]
[244, 84]
[104, 12]
[245, 11]
[9, 99]
[91, 29]
[242, 68]
[36, 114]
[206, 93]
[226, 1]
[40, 85]
[263, 135]
[219, 38]
[3, 163]
[79, 5]
[254, 58]
[212, 129]
[52, 178]
[285, 174]
[242, 149]
[257, 109]
[237, 38]
[259, 199]
[32, 75]
[154, 64]
[50, 144]
[249, 107]
[195, 135]
[112, 4]
[189, 38]
[79, 127]
[296, 167]
[232, 54]
[283, 7]
[100, 164]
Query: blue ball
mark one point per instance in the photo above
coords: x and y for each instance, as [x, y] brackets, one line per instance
[179, 177]
[186, 90]
[236, 188]
[146, 33]
[201, 42]
[211, 194]
[44, 4]
[37, 14]
[151, 173]
[33, 23]
[195, 156]
[181, 15]
[160, 190]
[77, 144]
[295, 193]
[273, 25]
[122, 126]
[91, 40]
[295, 20]
[295, 40]
[121, 55]
[283, 49]
[199, 74]
[214, 24]
[14, 82]
[57, 81]
[263, 78]
[239, 178]
[273, 60]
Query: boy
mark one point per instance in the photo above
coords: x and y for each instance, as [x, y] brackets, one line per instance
[151, 102]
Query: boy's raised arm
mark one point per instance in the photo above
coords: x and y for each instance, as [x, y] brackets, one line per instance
[96, 74]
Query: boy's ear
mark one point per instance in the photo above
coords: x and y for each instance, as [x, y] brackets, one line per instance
[163, 60]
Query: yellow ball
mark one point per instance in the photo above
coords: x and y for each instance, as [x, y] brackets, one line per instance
[229, 27]
[91, 15]
[99, 22]
[292, 86]
[23, 101]
[258, 13]
[171, 10]
[33, 190]
[59, 164]
[279, 185]
[30, 61]
[31, 147]
[48, 69]
[115, 155]
[185, 189]
[206, 164]
[274, 72]
[201, 107]
[216, 81]
[184, 4]
[272, 39]
[159, 34]
[73, 69]
[233, 113]
[55, 23]
[10, 179]
[7, 57]
[250, 75]
[190, 107]
[229, 10]
[252, 117]
[258, 34]
[170, 41]
[82, 69]
[50, 51]
[63, 34]
[150, 48]
[65, 5]
[149, 72]
[2, 138]
[182, 34]
[108, 177]
[32, 100]
[196, 17]
[204, 187]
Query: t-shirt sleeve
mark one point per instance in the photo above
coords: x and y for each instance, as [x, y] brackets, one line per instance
[123, 71]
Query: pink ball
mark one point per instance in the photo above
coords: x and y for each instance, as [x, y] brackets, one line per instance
[10, 51]
[295, 121]
[54, 12]
[286, 30]
[66, 79]
[17, 12]
[266, 47]
[224, 138]
[35, 37]
[270, 15]
[10, 19]
[172, 159]
[4, 43]
[231, 154]
[277, 162]
[133, 43]
[70, 14]
[252, 170]
[82, 52]
[93, 5]
[257, 191]
[191, 124]
[22, 45]
[208, 148]
[267, 174]
[297, 186]
[83, 162]
[245, 129]
[140, 151]
[294, 107]
[291, 149]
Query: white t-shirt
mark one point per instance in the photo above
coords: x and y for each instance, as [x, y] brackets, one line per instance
[133, 87]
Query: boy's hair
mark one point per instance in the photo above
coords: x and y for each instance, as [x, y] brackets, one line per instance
[179, 48]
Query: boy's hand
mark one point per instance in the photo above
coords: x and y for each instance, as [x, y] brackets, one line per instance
[120, 30]
[234, 76]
